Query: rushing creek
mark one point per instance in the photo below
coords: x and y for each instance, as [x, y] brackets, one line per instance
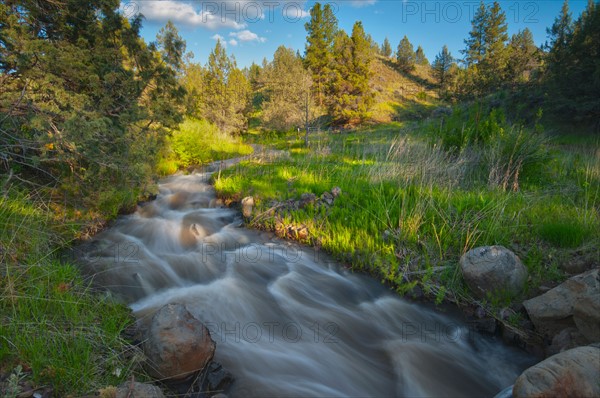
[287, 320]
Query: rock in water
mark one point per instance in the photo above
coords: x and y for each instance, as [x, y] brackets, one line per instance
[247, 206]
[572, 303]
[572, 373]
[492, 269]
[177, 344]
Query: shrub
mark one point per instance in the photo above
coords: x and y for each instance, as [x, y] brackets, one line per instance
[199, 141]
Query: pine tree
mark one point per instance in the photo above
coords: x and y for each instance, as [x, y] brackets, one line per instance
[172, 45]
[85, 103]
[238, 92]
[286, 91]
[225, 97]
[420, 58]
[523, 57]
[442, 67]
[386, 48]
[573, 67]
[486, 54]
[559, 36]
[475, 50]
[192, 81]
[493, 65]
[321, 30]
[350, 96]
[405, 55]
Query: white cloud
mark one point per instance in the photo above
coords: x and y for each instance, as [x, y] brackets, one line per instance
[293, 11]
[233, 42]
[186, 14]
[218, 37]
[247, 36]
[362, 3]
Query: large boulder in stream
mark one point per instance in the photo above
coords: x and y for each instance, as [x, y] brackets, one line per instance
[177, 344]
[493, 269]
[574, 303]
[572, 373]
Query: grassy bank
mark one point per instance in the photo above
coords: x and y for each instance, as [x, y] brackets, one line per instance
[417, 197]
[56, 330]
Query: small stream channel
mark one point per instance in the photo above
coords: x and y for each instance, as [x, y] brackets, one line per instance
[287, 320]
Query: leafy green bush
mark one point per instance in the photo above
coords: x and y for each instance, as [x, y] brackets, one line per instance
[199, 141]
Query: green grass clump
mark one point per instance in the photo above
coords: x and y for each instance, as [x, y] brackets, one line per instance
[566, 233]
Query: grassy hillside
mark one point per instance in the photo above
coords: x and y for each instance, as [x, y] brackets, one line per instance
[401, 96]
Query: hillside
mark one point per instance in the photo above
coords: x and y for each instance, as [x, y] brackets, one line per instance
[401, 96]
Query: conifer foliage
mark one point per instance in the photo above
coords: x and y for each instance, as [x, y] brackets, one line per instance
[321, 30]
[225, 97]
[405, 56]
[573, 70]
[85, 102]
[350, 96]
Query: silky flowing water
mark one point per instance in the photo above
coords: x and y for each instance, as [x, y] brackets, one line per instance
[287, 320]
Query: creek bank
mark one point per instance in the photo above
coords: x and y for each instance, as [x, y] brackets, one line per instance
[545, 323]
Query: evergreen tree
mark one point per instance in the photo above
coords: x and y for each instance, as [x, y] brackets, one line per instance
[420, 58]
[559, 37]
[350, 94]
[486, 55]
[225, 97]
[493, 65]
[85, 103]
[405, 55]
[386, 48]
[192, 81]
[475, 50]
[238, 90]
[442, 69]
[321, 30]
[573, 68]
[172, 46]
[286, 91]
[523, 57]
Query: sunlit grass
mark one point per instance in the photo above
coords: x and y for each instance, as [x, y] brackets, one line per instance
[409, 206]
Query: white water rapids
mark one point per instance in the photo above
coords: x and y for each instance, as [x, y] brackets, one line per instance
[286, 319]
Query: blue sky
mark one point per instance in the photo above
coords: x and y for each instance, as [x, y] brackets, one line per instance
[253, 29]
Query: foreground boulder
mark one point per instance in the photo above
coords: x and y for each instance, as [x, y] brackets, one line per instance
[177, 344]
[574, 303]
[493, 269]
[572, 373]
